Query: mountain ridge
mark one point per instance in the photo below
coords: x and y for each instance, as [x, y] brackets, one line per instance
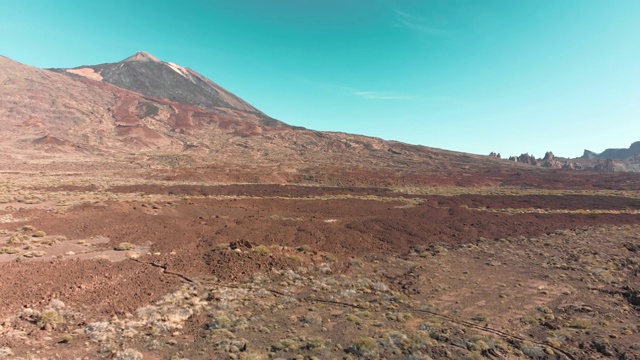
[614, 153]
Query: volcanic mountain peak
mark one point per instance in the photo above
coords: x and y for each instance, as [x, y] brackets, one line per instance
[146, 74]
[142, 56]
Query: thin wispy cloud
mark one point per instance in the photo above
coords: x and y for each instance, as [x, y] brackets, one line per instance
[418, 24]
[383, 95]
[363, 94]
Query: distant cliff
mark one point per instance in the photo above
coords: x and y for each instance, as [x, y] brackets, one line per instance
[622, 154]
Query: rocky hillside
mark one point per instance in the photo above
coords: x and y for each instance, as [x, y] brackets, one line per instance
[74, 119]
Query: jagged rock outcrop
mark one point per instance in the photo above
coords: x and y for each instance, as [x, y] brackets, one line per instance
[495, 155]
[549, 161]
[588, 162]
[553, 164]
[528, 159]
[605, 166]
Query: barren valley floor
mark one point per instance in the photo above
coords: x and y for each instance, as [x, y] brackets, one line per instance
[99, 266]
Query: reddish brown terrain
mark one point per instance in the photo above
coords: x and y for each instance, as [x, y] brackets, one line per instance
[136, 227]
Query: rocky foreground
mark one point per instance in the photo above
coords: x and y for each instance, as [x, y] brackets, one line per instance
[140, 269]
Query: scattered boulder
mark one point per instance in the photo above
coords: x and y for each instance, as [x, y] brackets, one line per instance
[634, 297]
[240, 244]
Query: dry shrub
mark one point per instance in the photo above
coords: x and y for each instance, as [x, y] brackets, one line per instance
[124, 246]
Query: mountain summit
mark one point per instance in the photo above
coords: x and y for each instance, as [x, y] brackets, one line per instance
[142, 56]
[146, 74]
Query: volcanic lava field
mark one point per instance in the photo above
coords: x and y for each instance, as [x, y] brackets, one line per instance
[110, 265]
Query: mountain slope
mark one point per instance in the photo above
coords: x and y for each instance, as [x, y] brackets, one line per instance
[47, 109]
[61, 121]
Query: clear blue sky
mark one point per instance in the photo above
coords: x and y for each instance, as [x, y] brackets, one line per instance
[474, 76]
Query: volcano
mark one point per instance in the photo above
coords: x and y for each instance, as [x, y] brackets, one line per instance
[145, 74]
[143, 112]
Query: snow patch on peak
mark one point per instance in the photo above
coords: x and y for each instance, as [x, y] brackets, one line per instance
[142, 56]
[179, 69]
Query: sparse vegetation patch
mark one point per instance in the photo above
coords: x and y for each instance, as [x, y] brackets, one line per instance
[125, 246]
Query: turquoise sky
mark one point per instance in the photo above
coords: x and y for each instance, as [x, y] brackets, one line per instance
[509, 76]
